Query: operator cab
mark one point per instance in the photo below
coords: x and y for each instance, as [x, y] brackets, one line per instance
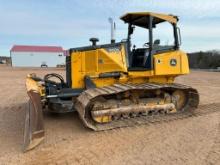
[152, 34]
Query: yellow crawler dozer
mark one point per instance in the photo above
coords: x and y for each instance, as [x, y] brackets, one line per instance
[117, 84]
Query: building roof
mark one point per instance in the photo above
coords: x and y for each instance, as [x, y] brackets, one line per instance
[26, 48]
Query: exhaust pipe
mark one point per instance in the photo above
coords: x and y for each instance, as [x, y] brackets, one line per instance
[113, 27]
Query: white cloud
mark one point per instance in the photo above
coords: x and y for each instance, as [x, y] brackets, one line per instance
[71, 23]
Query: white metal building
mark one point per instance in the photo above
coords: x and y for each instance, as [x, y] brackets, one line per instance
[37, 56]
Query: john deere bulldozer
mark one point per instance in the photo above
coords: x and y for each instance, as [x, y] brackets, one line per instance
[117, 84]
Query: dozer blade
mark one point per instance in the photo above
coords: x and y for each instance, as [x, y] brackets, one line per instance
[34, 127]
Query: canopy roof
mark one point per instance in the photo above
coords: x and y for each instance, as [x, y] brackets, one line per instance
[141, 18]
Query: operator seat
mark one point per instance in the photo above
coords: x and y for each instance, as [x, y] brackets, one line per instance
[140, 58]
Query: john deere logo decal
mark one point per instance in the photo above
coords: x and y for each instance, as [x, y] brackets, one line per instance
[173, 62]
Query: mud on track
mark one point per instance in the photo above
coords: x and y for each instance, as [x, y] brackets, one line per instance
[193, 140]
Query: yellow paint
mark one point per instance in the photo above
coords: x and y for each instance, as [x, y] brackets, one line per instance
[34, 85]
[103, 119]
[162, 63]
[165, 17]
[93, 62]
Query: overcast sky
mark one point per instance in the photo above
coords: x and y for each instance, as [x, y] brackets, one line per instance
[70, 23]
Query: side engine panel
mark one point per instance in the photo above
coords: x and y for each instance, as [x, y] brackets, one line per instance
[93, 62]
[171, 63]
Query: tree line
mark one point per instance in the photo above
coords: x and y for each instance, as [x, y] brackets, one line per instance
[204, 60]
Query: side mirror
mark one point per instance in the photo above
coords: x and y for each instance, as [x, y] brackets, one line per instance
[157, 42]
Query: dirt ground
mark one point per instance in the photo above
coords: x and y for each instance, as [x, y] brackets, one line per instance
[188, 141]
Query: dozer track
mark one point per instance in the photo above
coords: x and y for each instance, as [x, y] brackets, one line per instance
[122, 105]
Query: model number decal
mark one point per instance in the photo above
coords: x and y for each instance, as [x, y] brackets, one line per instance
[113, 49]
